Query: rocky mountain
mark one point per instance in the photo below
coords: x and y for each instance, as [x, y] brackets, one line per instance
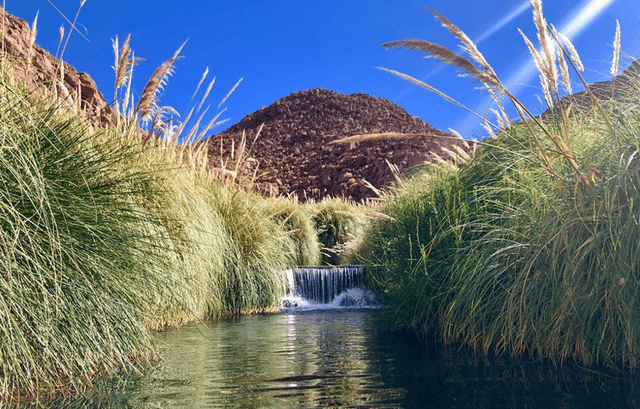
[43, 72]
[301, 147]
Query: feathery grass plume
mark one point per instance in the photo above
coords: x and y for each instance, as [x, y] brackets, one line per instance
[206, 93]
[543, 72]
[573, 53]
[162, 125]
[230, 92]
[32, 41]
[204, 75]
[503, 122]
[616, 50]
[60, 38]
[125, 61]
[547, 49]
[121, 62]
[148, 103]
[577, 67]
[489, 76]
[442, 53]
[564, 67]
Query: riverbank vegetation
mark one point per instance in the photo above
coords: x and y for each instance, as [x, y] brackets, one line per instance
[531, 245]
[108, 234]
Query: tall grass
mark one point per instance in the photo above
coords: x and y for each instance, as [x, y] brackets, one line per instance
[338, 223]
[73, 265]
[530, 246]
[105, 236]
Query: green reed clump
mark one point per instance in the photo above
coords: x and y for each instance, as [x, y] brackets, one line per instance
[337, 222]
[104, 236]
[407, 250]
[261, 249]
[530, 246]
[295, 219]
[73, 273]
[500, 256]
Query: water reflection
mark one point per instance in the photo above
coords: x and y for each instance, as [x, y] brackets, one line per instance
[338, 358]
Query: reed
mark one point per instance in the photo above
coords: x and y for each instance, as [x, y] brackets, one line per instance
[107, 235]
[530, 245]
[338, 222]
[73, 274]
[296, 220]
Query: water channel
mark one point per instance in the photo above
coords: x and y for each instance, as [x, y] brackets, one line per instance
[326, 355]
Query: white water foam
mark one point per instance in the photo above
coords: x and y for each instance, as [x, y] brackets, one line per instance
[314, 288]
[352, 298]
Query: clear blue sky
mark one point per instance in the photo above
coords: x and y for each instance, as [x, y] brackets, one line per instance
[284, 46]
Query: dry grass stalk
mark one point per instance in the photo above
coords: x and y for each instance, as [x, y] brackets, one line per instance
[378, 136]
[434, 90]
[73, 27]
[32, 41]
[148, 102]
[204, 75]
[230, 92]
[616, 51]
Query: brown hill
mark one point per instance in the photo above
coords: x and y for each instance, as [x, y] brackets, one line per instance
[42, 71]
[622, 88]
[297, 151]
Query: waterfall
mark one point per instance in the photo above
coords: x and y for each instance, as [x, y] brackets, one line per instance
[330, 286]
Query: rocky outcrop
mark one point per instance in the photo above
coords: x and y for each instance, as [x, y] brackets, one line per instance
[622, 88]
[43, 72]
[298, 150]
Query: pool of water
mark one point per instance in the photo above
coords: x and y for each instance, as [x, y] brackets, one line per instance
[341, 358]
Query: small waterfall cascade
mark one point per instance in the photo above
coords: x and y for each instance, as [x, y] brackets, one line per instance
[329, 286]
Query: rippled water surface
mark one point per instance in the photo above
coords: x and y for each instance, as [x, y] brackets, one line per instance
[339, 358]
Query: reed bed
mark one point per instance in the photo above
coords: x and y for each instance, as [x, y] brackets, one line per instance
[106, 235]
[531, 245]
[73, 264]
[338, 223]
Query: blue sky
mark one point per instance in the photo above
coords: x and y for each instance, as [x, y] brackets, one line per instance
[287, 46]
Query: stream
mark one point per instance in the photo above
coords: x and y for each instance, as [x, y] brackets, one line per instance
[325, 355]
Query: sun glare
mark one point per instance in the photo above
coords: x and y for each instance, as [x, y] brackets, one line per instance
[578, 21]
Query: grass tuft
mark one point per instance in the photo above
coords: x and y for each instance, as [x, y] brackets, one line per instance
[529, 245]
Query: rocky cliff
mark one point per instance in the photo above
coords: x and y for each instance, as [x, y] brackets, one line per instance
[43, 72]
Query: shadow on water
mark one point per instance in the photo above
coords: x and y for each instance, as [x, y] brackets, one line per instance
[340, 358]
